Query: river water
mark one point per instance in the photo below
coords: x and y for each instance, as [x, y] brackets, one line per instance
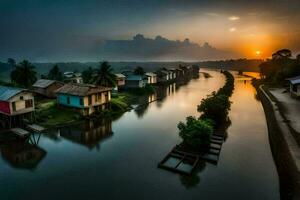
[118, 159]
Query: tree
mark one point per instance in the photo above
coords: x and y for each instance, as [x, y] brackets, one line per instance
[55, 73]
[282, 54]
[87, 75]
[105, 76]
[139, 71]
[24, 74]
[195, 133]
[11, 62]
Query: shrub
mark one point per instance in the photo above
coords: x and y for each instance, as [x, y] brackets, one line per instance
[215, 107]
[195, 133]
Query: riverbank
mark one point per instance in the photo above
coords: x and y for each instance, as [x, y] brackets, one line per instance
[285, 149]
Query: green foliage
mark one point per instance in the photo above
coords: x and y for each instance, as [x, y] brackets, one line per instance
[280, 67]
[105, 75]
[139, 71]
[24, 74]
[227, 89]
[88, 75]
[55, 74]
[215, 107]
[119, 104]
[196, 133]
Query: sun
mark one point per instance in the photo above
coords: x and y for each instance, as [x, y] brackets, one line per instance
[258, 53]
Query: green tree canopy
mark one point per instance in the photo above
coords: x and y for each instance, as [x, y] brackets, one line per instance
[105, 75]
[11, 62]
[55, 73]
[139, 71]
[88, 75]
[24, 74]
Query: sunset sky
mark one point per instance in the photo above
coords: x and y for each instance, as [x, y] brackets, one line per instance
[253, 29]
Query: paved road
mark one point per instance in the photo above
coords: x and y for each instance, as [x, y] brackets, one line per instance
[291, 105]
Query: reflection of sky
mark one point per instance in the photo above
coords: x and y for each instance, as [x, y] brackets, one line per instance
[128, 160]
[245, 26]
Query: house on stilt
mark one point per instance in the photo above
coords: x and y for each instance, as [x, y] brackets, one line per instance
[16, 105]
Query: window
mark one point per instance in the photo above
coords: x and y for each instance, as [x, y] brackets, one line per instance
[81, 101]
[68, 100]
[90, 100]
[28, 103]
[21, 97]
[294, 88]
[14, 106]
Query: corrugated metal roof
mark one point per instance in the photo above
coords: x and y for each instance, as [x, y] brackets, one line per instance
[294, 80]
[8, 92]
[43, 83]
[150, 74]
[120, 75]
[81, 89]
[134, 78]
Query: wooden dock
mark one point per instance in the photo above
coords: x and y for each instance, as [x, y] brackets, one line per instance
[20, 132]
[35, 128]
[184, 162]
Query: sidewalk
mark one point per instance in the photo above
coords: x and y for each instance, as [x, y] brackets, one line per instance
[291, 106]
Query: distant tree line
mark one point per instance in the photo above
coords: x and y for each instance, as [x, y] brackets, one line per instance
[280, 67]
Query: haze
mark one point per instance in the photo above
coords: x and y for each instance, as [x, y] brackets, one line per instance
[56, 30]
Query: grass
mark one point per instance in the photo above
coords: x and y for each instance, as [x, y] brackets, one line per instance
[48, 114]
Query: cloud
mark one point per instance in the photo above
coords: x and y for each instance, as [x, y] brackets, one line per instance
[234, 18]
[160, 49]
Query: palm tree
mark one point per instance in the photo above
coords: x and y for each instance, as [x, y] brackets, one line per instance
[24, 74]
[139, 71]
[105, 76]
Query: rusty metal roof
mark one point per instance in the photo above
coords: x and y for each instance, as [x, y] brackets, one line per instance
[81, 89]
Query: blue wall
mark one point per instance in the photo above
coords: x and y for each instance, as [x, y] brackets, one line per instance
[74, 100]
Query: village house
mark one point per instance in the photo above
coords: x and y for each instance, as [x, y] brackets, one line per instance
[152, 77]
[162, 76]
[72, 77]
[135, 81]
[120, 78]
[172, 73]
[16, 104]
[46, 87]
[86, 99]
[295, 86]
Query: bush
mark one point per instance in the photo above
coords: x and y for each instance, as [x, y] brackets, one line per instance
[215, 107]
[196, 133]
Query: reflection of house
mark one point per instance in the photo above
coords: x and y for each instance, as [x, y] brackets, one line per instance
[152, 78]
[23, 155]
[295, 86]
[15, 105]
[135, 81]
[86, 99]
[89, 133]
[72, 77]
[47, 88]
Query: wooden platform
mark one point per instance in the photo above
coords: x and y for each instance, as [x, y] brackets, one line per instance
[20, 132]
[35, 128]
[184, 162]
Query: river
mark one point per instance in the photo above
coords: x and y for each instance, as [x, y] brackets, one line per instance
[118, 159]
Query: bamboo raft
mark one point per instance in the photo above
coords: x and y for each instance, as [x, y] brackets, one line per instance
[184, 162]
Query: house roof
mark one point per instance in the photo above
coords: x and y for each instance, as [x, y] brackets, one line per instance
[8, 92]
[43, 83]
[120, 75]
[294, 80]
[134, 78]
[81, 89]
[150, 74]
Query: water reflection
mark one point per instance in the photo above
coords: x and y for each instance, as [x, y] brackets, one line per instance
[23, 153]
[190, 181]
[89, 133]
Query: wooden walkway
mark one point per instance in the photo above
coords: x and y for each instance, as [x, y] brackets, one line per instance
[184, 162]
